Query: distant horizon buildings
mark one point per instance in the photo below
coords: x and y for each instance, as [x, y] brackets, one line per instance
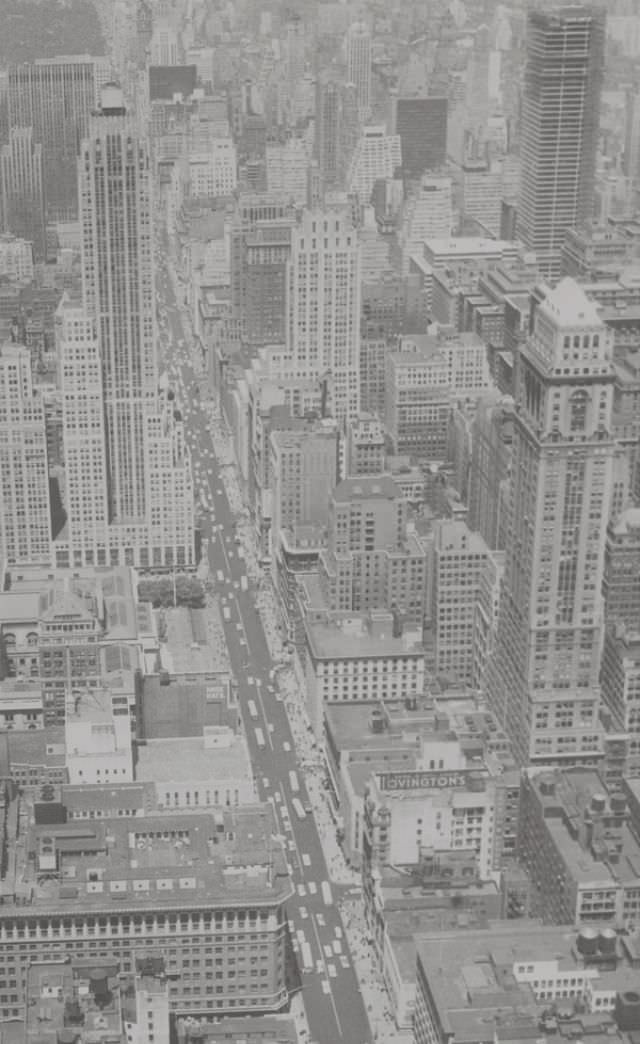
[560, 125]
[421, 123]
[55, 97]
[359, 65]
[22, 196]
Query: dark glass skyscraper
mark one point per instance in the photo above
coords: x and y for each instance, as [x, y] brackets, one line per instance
[560, 118]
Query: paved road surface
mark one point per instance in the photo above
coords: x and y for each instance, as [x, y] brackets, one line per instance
[334, 1007]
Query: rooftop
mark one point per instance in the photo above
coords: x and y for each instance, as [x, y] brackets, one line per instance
[172, 760]
[568, 305]
[382, 487]
[160, 860]
[85, 996]
[357, 636]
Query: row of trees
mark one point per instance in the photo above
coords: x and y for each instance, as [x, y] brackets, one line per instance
[162, 593]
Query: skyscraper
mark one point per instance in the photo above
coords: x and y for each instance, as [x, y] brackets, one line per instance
[631, 158]
[55, 97]
[543, 679]
[25, 515]
[22, 202]
[421, 123]
[117, 272]
[560, 119]
[323, 306]
[83, 436]
[359, 65]
[148, 486]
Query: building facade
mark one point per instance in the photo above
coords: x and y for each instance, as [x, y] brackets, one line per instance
[323, 306]
[561, 102]
[543, 680]
[25, 516]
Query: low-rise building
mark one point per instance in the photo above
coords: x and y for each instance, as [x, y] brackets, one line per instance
[213, 770]
[576, 842]
[520, 980]
[358, 656]
[98, 739]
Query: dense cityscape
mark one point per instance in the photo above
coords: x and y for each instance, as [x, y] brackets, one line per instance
[319, 522]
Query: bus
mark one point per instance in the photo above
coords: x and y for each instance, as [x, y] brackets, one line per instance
[298, 809]
[260, 741]
[253, 710]
[326, 893]
[307, 959]
[293, 782]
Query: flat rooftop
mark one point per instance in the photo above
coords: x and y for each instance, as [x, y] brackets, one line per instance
[355, 639]
[155, 861]
[174, 760]
[52, 988]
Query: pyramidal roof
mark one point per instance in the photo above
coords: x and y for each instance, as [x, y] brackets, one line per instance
[569, 305]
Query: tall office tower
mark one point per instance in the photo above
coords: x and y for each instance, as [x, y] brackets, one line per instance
[294, 51]
[559, 132]
[427, 214]
[148, 478]
[83, 436]
[543, 679]
[421, 123]
[327, 131]
[260, 238]
[117, 272]
[22, 202]
[491, 440]
[631, 157]
[25, 514]
[323, 306]
[55, 97]
[359, 65]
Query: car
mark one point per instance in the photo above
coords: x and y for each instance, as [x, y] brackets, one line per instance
[325, 986]
[328, 952]
[286, 746]
[304, 913]
[344, 961]
[319, 967]
[313, 888]
[320, 920]
[302, 891]
[306, 859]
[265, 782]
[338, 932]
[337, 947]
[331, 968]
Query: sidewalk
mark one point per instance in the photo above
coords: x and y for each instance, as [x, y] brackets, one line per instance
[372, 986]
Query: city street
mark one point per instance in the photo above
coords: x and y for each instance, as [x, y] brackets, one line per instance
[334, 1007]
